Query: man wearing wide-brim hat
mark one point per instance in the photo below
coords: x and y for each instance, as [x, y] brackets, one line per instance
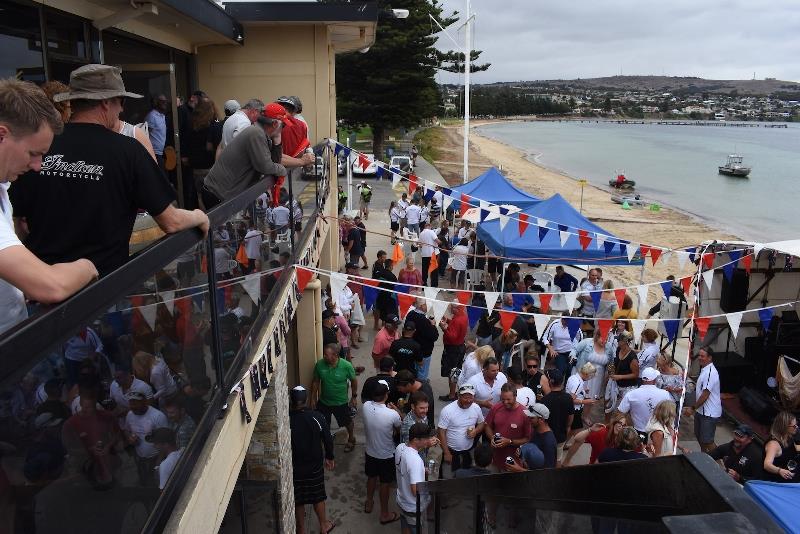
[84, 200]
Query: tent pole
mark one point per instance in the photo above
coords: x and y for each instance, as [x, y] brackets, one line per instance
[641, 281]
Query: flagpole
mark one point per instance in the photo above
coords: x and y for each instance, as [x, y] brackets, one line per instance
[349, 179]
[467, 57]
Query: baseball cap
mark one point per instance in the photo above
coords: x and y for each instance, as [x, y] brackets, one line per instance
[287, 101]
[275, 111]
[409, 325]
[649, 374]
[232, 106]
[419, 431]
[743, 430]
[135, 395]
[538, 410]
[393, 319]
[466, 388]
[327, 314]
[161, 435]
[298, 394]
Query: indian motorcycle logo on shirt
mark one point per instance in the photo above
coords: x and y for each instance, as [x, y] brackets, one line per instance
[54, 165]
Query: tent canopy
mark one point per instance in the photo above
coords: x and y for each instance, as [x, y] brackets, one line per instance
[557, 211]
[493, 187]
[780, 500]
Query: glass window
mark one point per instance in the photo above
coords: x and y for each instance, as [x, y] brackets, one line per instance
[119, 50]
[65, 35]
[20, 41]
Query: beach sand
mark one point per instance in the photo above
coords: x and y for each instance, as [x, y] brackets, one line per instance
[666, 227]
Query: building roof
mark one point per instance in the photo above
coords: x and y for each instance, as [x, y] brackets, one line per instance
[303, 12]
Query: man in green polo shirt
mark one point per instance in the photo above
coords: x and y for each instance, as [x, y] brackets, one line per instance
[331, 376]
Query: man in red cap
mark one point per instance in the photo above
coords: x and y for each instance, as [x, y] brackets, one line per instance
[293, 140]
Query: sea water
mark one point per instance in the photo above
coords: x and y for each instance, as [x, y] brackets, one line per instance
[677, 166]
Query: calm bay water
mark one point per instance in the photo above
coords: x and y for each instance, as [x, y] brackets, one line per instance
[677, 166]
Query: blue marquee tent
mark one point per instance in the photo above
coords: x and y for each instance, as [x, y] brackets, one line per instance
[543, 245]
[779, 500]
[493, 187]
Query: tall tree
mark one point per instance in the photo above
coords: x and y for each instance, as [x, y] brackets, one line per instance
[392, 85]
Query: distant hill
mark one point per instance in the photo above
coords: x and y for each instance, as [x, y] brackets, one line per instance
[672, 84]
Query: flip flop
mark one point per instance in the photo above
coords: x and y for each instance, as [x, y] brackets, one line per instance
[349, 446]
[395, 517]
[333, 526]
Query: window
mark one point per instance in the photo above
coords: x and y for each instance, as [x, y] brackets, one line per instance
[20, 41]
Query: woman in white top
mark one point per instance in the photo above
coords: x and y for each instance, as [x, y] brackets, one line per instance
[459, 260]
[473, 363]
[592, 351]
[155, 372]
[647, 356]
[559, 343]
[608, 301]
[578, 388]
[661, 429]
[130, 130]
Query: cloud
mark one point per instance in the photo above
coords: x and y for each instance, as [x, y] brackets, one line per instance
[719, 39]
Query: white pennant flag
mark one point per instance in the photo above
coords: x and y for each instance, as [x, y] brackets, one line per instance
[429, 186]
[541, 321]
[563, 236]
[338, 282]
[541, 222]
[756, 249]
[252, 284]
[491, 299]
[395, 179]
[643, 291]
[600, 240]
[638, 327]
[431, 292]
[439, 309]
[168, 297]
[446, 201]
[570, 298]
[503, 222]
[665, 256]
[483, 204]
[682, 256]
[734, 319]
[632, 248]
[708, 278]
[149, 314]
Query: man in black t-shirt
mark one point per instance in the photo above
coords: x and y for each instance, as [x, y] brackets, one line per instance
[83, 202]
[406, 352]
[560, 405]
[355, 246]
[740, 458]
[385, 372]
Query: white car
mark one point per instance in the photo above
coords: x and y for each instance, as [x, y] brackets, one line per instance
[371, 168]
[402, 162]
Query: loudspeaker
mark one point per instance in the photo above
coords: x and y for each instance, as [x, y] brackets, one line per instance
[758, 405]
[734, 293]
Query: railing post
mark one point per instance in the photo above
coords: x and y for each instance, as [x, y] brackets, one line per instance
[478, 519]
[216, 347]
[437, 513]
[290, 179]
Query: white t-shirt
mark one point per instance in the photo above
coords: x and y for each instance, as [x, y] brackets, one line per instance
[576, 386]
[252, 244]
[233, 126]
[460, 254]
[709, 380]
[142, 425]
[438, 196]
[457, 420]
[647, 357]
[166, 466]
[221, 260]
[162, 380]
[279, 216]
[484, 391]
[558, 336]
[403, 205]
[412, 214]
[137, 385]
[469, 368]
[588, 305]
[641, 402]
[410, 469]
[12, 301]
[395, 214]
[526, 396]
[379, 424]
[428, 239]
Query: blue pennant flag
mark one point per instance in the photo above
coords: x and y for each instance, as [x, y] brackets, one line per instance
[198, 297]
[671, 327]
[503, 211]
[337, 149]
[370, 296]
[346, 151]
[395, 170]
[691, 252]
[666, 286]
[623, 249]
[220, 300]
[473, 315]
[401, 288]
[573, 325]
[378, 171]
[608, 246]
[735, 256]
[595, 298]
[116, 322]
[484, 214]
[543, 232]
[429, 194]
[447, 191]
[766, 317]
[727, 270]
[563, 227]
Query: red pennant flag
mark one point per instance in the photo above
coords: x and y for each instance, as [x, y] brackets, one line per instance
[655, 253]
[620, 294]
[604, 325]
[544, 302]
[686, 282]
[584, 239]
[404, 302]
[363, 161]
[701, 323]
[228, 291]
[303, 278]
[434, 263]
[747, 261]
[507, 319]
[412, 183]
[371, 282]
[464, 204]
[645, 250]
[204, 264]
[523, 223]
[708, 260]
[463, 297]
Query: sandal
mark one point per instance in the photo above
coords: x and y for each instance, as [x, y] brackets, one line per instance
[349, 446]
[368, 507]
[395, 517]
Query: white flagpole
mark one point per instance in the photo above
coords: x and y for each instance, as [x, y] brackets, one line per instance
[467, 55]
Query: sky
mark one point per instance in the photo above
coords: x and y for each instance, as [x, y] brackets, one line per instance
[550, 39]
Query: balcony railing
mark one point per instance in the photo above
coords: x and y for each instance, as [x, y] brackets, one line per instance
[180, 321]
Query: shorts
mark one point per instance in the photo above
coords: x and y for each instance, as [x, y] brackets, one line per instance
[408, 521]
[341, 413]
[494, 266]
[395, 226]
[384, 469]
[310, 489]
[704, 428]
[577, 420]
[452, 358]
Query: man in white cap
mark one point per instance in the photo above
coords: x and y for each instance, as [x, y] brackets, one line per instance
[231, 107]
[381, 428]
[84, 200]
[541, 451]
[639, 403]
[459, 423]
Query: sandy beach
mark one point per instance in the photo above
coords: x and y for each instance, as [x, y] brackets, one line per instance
[666, 227]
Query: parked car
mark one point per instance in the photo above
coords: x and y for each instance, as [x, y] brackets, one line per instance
[315, 171]
[371, 168]
[402, 162]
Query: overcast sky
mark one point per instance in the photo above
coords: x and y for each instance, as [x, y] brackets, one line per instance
[547, 39]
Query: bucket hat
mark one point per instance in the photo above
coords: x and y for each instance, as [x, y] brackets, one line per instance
[95, 82]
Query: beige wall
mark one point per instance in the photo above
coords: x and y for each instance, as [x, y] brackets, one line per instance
[274, 61]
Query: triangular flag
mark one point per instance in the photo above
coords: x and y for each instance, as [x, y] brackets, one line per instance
[765, 316]
[666, 287]
[463, 297]
[757, 249]
[686, 283]
[370, 296]
[484, 214]
[447, 191]
[682, 257]
[643, 290]
[632, 248]
[600, 240]
[439, 309]
[734, 319]
[363, 161]
[595, 298]
[474, 314]
[584, 239]
[149, 314]
[447, 200]
[608, 246]
[303, 278]
[412, 183]
[464, 204]
[431, 292]
[395, 180]
[541, 322]
[620, 295]
[346, 150]
[379, 171]
[735, 256]
[429, 193]
[645, 250]
[604, 325]
[701, 323]
[727, 270]
[544, 301]
[708, 260]
[692, 253]
[404, 302]
[523, 223]
[507, 319]
[397, 253]
[434, 264]
[708, 278]
[252, 284]
[562, 227]
[570, 297]
[338, 282]
[747, 261]
[168, 298]
[337, 149]
[655, 253]
[503, 222]
[573, 325]
[543, 232]
[638, 327]
[563, 236]
[483, 204]
[666, 255]
[491, 298]
[671, 328]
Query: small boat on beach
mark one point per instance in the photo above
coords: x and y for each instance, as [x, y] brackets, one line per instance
[734, 167]
[622, 183]
[632, 200]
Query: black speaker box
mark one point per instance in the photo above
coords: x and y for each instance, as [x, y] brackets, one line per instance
[735, 372]
[734, 293]
[758, 405]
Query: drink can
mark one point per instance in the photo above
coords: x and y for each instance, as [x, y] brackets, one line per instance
[497, 437]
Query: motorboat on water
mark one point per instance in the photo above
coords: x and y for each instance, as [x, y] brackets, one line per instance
[734, 167]
[622, 182]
